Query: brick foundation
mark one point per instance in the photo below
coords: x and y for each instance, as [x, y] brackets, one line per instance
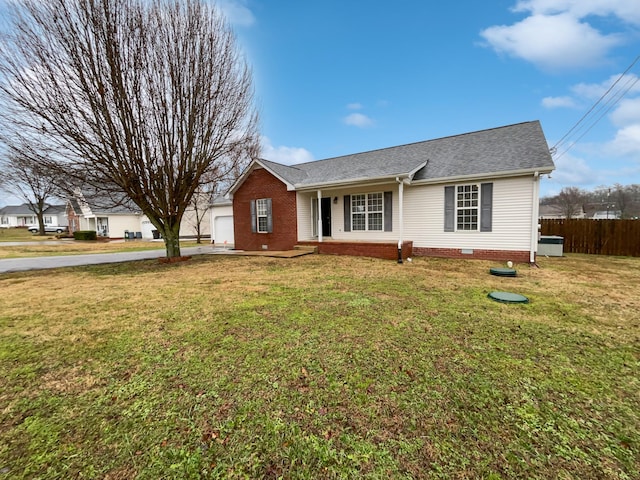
[518, 256]
[388, 251]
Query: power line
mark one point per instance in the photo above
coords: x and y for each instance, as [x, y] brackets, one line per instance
[617, 98]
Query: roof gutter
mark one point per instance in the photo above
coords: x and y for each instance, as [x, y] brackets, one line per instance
[505, 174]
[353, 181]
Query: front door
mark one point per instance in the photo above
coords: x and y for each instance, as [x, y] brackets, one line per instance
[326, 216]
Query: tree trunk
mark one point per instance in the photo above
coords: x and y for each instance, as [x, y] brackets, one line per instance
[40, 216]
[171, 236]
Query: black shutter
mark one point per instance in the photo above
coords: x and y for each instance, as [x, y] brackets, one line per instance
[269, 217]
[254, 221]
[486, 206]
[449, 209]
[388, 211]
[347, 213]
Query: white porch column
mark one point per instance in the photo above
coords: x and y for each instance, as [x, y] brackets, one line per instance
[401, 211]
[400, 218]
[319, 215]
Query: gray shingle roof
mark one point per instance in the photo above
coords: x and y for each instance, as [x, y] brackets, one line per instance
[25, 210]
[519, 147]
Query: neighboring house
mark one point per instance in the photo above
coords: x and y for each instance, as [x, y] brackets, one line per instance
[222, 222]
[22, 215]
[467, 196]
[557, 212]
[108, 220]
[100, 215]
[606, 215]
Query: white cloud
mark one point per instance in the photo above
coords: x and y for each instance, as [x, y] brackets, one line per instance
[572, 170]
[237, 12]
[626, 10]
[558, 102]
[594, 91]
[358, 120]
[354, 106]
[283, 154]
[626, 142]
[553, 42]
[627, 112]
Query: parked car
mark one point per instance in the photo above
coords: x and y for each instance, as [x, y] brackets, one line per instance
[48, 228]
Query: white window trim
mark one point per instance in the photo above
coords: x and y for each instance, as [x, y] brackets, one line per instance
[457, 209]
[366, 212]
[264, 215]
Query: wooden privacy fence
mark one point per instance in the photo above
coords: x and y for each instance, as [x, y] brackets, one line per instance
[602, 237]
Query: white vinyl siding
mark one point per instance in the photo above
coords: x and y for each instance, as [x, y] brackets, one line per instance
[511, 212]
[305, 232]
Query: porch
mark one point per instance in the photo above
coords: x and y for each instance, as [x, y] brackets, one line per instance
[376, 249]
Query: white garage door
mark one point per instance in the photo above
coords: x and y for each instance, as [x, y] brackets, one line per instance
[223, 230]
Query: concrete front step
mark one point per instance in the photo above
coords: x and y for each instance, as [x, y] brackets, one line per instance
[308, 248]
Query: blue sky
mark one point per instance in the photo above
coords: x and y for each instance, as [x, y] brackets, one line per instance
[334, 77]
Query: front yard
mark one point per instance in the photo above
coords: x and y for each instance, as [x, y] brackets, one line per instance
[321, 367]
[19, 243]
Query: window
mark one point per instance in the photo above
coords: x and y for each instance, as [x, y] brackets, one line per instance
[467, 207]
[48, 220]
[262, 214]
[367, 211]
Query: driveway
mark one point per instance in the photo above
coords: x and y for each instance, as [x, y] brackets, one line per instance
[38, 263]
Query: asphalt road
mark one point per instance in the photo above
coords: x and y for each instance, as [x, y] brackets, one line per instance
[39, 263]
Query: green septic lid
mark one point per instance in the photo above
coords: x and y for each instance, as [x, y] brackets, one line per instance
[502, 272]
[507, 297]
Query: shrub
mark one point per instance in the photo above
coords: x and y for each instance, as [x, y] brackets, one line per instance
[84, 235]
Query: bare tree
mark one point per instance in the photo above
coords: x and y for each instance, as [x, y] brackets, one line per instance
[198, 209]
[27, 177]
[137, 97]
[621, 197]
[570, 200]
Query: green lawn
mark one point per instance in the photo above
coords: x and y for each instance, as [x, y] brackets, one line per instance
[49, 246]
[21, 235]
[321, 367]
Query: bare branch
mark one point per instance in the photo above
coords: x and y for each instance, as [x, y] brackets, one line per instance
[149, 98]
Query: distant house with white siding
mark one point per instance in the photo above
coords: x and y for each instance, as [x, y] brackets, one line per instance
[473, 195]
[22, 215]
[112, 219]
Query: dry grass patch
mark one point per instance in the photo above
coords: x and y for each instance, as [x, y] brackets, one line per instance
[321, 367]
[71, 247]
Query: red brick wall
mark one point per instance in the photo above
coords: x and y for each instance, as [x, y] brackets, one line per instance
[261, 184]
[520, 256]
[385, 250]
[73, 218]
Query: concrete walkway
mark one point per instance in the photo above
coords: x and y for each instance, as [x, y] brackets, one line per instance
[41, 263]
[38, 263]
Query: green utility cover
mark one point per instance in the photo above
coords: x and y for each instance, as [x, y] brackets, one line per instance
[503, 272]
[507, 297]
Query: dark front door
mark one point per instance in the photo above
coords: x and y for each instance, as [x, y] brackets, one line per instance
[326, 217]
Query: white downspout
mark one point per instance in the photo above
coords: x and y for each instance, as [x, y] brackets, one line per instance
[319, 215]
[535, 209]
[400, 217]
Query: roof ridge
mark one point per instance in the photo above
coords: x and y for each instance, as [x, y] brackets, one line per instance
[419, 142]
